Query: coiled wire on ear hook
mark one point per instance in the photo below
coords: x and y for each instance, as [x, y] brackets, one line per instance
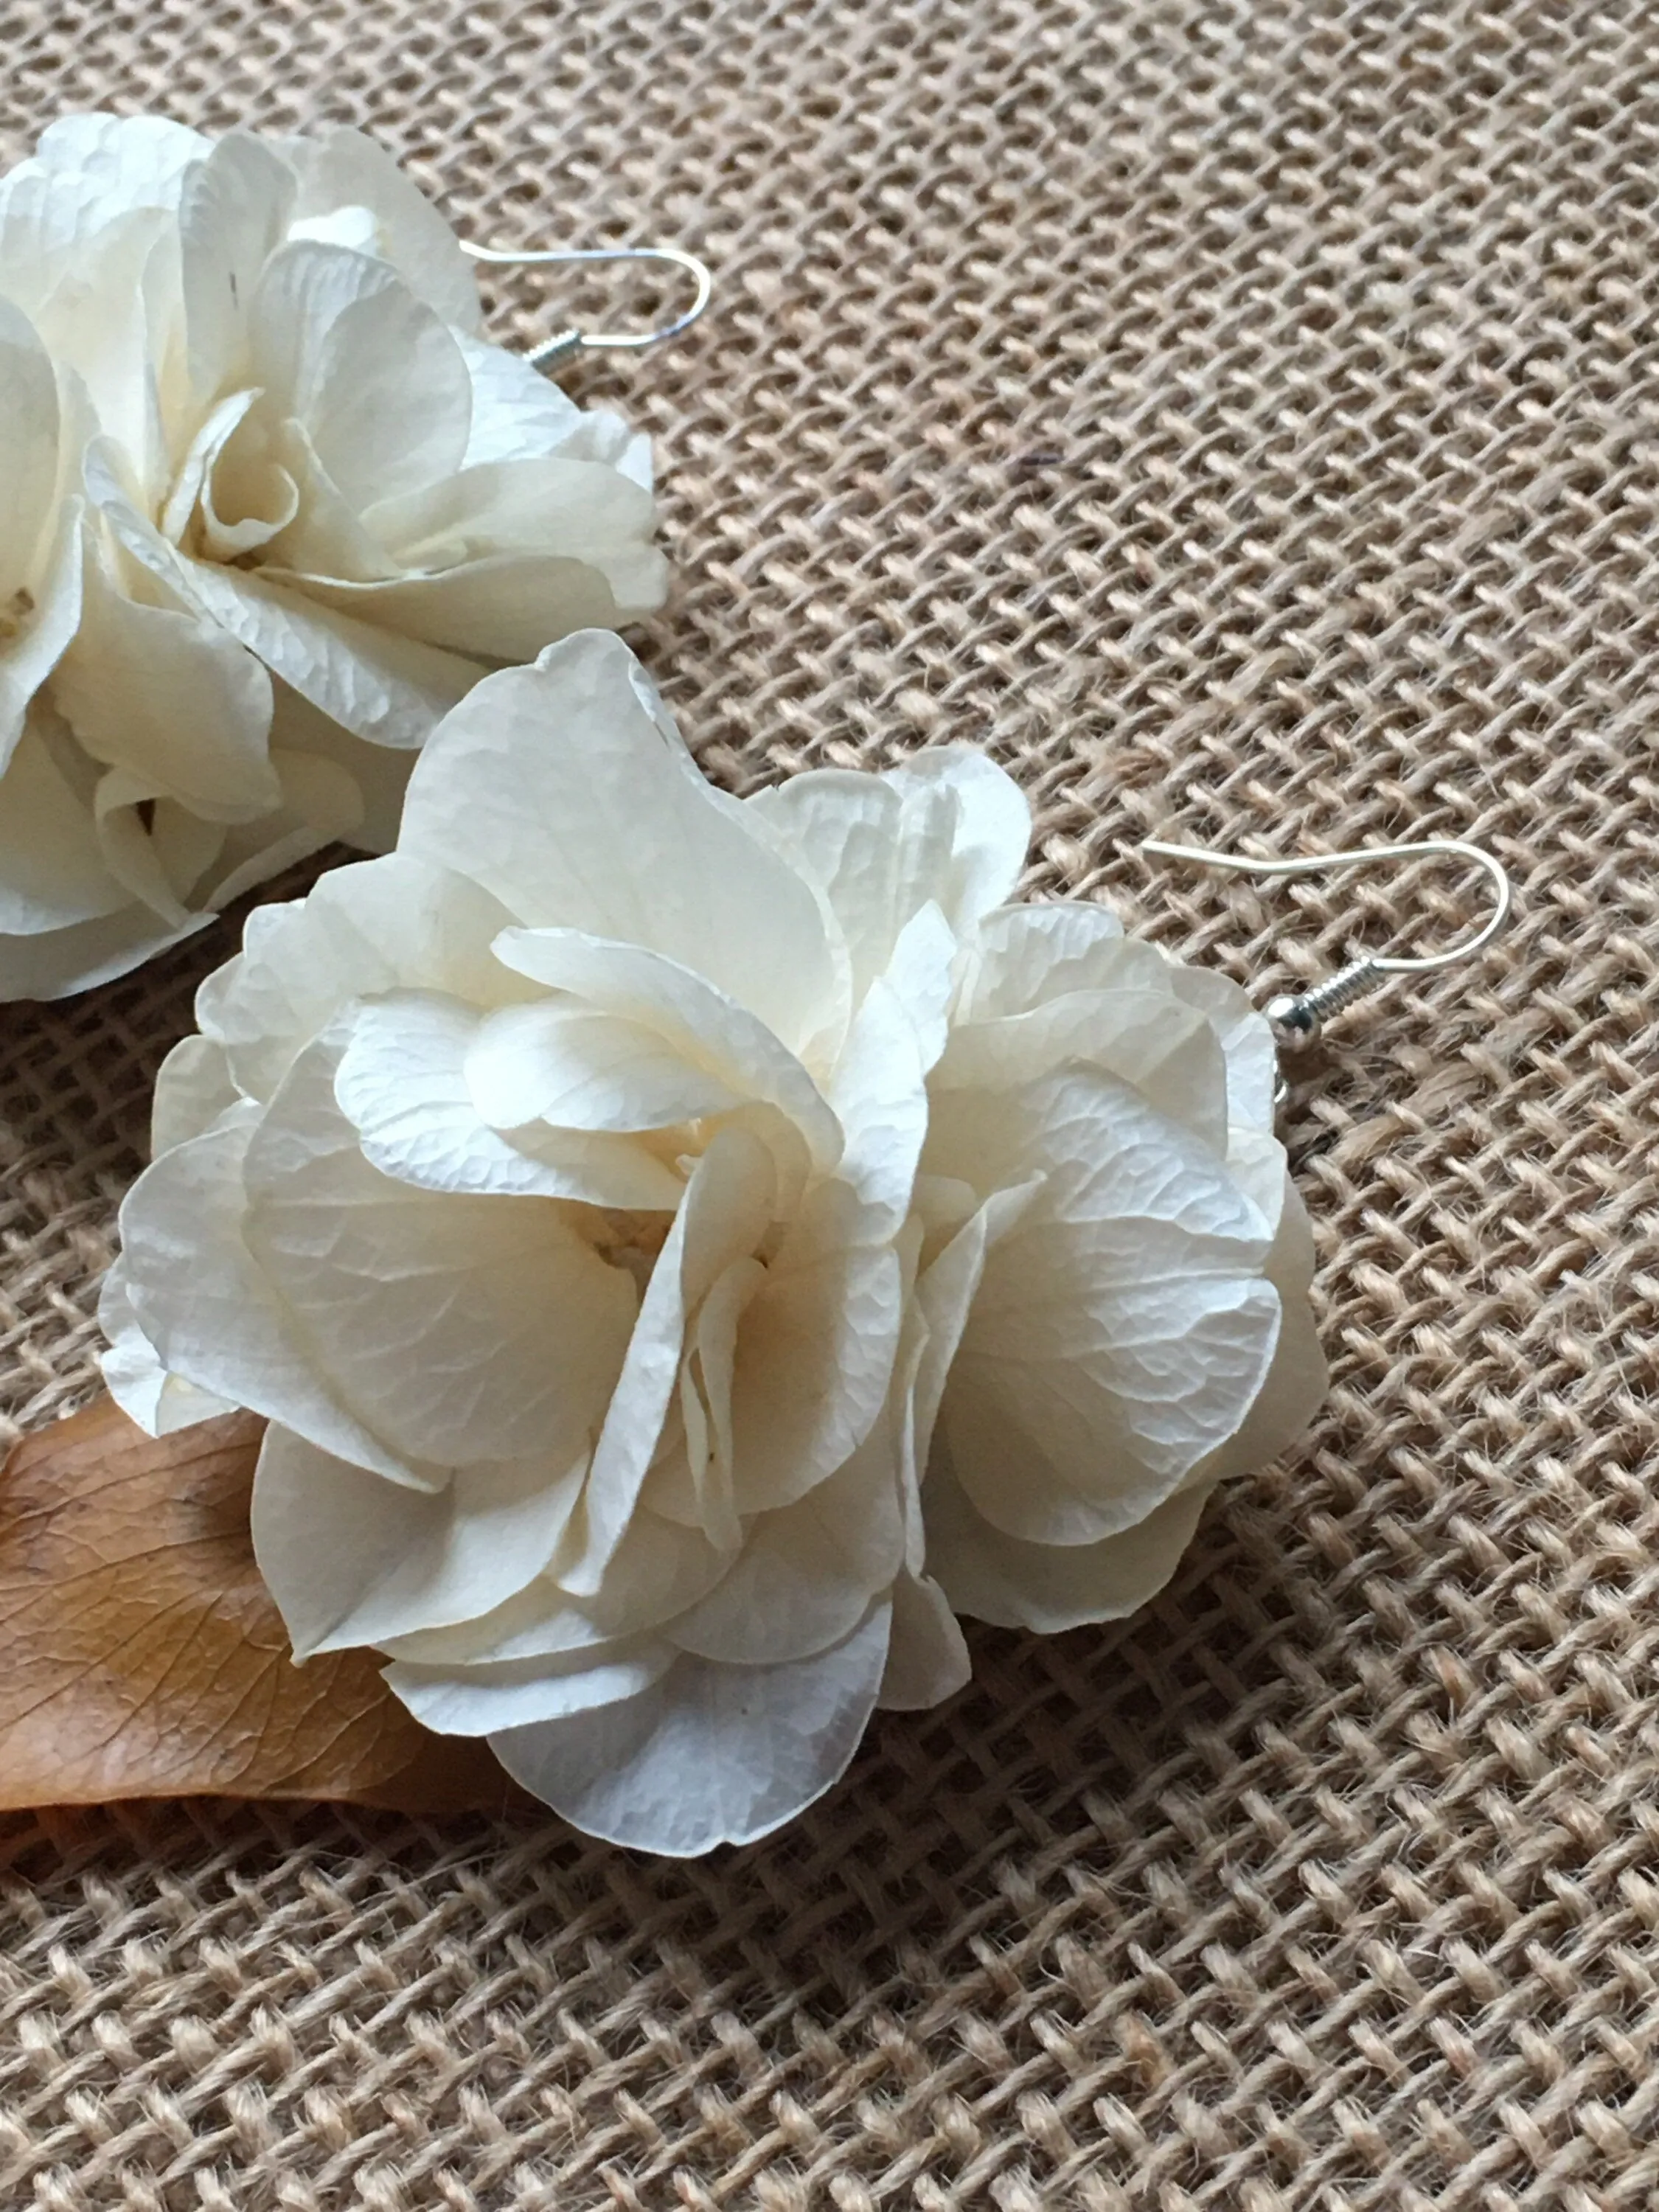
[564, 346]
[1297, 1019]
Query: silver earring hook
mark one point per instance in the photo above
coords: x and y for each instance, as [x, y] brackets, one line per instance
[1297, 1020]
[565, 345]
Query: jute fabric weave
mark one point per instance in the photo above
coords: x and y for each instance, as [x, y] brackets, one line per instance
[1242, 416]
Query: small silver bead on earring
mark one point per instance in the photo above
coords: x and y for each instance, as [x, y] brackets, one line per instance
[1297, 1019]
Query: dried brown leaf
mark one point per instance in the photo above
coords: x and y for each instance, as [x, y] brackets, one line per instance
[141, 1656]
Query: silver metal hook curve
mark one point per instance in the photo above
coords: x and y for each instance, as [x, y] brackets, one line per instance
[1296, 1020]
[1362, 856]
[562, 347]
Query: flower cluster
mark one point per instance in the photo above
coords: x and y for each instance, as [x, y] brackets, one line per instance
[270, 504]
[690, 1250]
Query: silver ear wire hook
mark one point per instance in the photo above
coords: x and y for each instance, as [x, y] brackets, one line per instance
[1297, 1020]
[553, 353]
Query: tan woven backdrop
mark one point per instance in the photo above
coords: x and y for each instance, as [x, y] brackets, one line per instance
[1243, 415]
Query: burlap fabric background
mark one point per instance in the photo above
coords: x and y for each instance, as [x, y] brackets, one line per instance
[1242, 416]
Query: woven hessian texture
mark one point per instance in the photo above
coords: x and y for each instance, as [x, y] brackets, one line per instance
[1241, 417]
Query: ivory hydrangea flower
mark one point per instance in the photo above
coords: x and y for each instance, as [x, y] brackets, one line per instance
[686, 1248]
[270, 504]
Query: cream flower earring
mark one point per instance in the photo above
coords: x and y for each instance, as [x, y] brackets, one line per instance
[689, 1250]
[271, 503]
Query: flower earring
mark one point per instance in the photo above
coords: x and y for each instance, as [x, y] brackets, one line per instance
[274, 503]
[690, 1250]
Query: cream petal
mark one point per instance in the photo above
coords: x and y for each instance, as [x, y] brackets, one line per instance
[944, 1297]
[690, 1497]
[1066, 1450]
[87, 173]
[29, 452]
[55, 963]
[390, 689]
[303, 291]
[539, 1622]
[1024, 955]
[318, 805]
[895, 1433]
[583, 511]
[1256, 1162]
[193, 1088]
[880, 1095]
[205, 447]
[1030, 959]
[172, 699]
[40, 215]
[391, 924]
[556, 788]
[1298, 1378]
[562, 1062]
[373, 373]
[131, 853]
[724, 1213]
[43, 628]
[501, 606]
[1049, 1587]
[100, 323]
[921, 975]
[1063, 1289]
[657, 1572]
[187, 846]
[116, 162]
[702, 1493]
[815, 1355]
[214, 1319]
[403, 1083]
[316, 530]
[394, 690]
[135, 1378]
[1290, 1398]
[519, 1694]
[1168, 1051]
[591, 434]
[351, 1558]
[250, 495]
[518, 414]
[807, 1575]
[550, 504]
[1106, 1153]
[927, 1660]
[993, 828]
[233, 212]
[846, 831]
[948, 828]
[1121, 1330]
[52, 869]
[351, 227]
[380, 773]
[710, 1032]
[942, 1206]
[791, 1158]
[1246, 1042]
[603, 436]
[342, 167]
[709, 1754]
[460, 1327]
